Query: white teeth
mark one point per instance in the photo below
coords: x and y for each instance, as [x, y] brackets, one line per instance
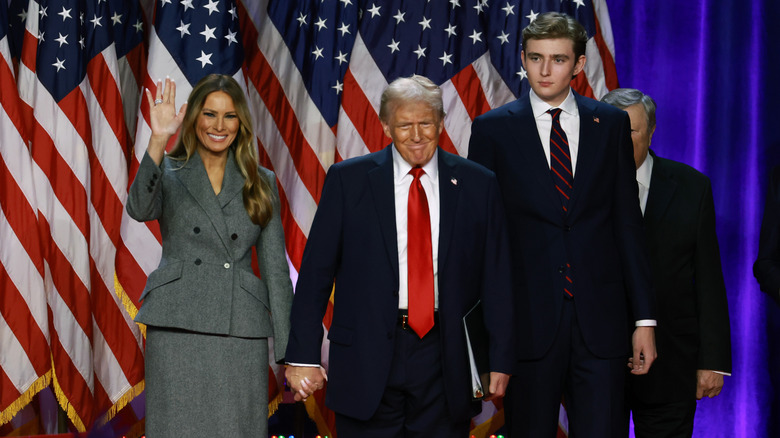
[217, 137]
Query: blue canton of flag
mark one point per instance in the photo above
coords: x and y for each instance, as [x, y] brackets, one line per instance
[320, 35]
[203, 37]
[60, 63]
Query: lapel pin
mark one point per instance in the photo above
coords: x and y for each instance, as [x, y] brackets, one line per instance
[454, 181]
[595, 119]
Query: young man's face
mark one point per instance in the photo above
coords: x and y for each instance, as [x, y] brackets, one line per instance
[550, 64]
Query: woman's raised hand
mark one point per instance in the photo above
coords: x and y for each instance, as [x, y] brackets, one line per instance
[163, 118]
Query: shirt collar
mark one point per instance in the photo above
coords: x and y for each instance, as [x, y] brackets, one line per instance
[539, 107]
[401, 168]
[645, 171]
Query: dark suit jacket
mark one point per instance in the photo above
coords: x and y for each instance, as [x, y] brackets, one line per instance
[693, 317]
[601, 237]
[767, 265]
[353, 240]
[204, 281]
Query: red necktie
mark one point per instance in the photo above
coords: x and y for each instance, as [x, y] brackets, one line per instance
[419, 258]
[560, 166]
[560, 159]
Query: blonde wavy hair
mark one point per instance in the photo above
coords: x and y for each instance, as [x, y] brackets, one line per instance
[257, 193]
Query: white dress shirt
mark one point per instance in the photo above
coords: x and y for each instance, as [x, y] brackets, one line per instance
[402, 181]
[643, 176]
[570, 122]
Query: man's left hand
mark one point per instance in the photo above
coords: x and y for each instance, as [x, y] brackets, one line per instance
[644, 350]
[708, 384]
[498, 383]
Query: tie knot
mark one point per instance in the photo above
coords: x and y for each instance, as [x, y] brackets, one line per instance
[555, 112]
[416, 172]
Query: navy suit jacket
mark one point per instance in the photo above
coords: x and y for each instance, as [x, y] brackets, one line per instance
[767, 265]
[693, 315]
[601, 237]
[353, 241]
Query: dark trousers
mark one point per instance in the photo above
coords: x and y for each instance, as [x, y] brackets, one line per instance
[413, 404]
[663, 420]
[593, 389]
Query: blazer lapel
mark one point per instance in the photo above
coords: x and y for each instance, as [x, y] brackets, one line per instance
[449, 194]
[522, 128]
[662, 188]
[194, 178]
[380, 180]
[232, 182]
[590, 138]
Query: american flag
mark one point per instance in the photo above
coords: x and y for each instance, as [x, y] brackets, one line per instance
[314, 71]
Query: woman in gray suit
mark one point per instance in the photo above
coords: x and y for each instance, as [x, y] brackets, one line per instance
[208, 316]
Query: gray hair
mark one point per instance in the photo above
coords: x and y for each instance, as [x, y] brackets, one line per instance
[625, 97]
[415, 88]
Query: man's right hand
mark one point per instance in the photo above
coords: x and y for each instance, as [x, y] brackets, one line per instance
[305, 380]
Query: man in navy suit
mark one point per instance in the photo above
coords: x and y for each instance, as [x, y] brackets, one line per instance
[693, 336]
[579, 267]
[387, 376]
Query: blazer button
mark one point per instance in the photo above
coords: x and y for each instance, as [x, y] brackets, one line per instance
[227, 265]
[198, 262]
[196, 230]
[154, 176]
[234, 236]
[149, 189]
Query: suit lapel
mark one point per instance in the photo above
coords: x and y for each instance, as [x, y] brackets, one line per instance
[590, 139]
[232, 182]
[380, 180]
[662, 188]
[449, 194]
[523, 128]
[194, 178]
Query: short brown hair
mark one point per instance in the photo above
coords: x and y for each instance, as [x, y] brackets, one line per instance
[557, 25]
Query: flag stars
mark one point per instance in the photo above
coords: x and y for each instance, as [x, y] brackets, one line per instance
[164, 2]
[522, 73]
[43, 12]
[208, 32]
[65, 14]
[96, 21]
[346, 2]
[233, 13]
[204, 59]
[479, 7]
[23, 15]
[187, 4]
[393, 46]
[504, 37]
[578, 3]
[344, 29]
[451, 30]
[446, 58]
[317, 52]
[41, 37]
[342, 58]
[212, 6]
[116, 18]
[82, 42]
[374, 11]
[509, 9]
[231, 37]
[184, 29]
[62, 39]
[60, 65]
[475, 37]
[302, 19]
[399, 17]
[321, 23]
[532, 16]
[425, 23]
[139, 26]
[339, 87]
[455, 3]
[420, 52]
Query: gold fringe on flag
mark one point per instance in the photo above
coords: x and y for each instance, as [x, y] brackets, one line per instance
[273, 405]
[127, 302]
[24, 399]
[490, 426]
[313, 409]
[62, 399]
[122, 402]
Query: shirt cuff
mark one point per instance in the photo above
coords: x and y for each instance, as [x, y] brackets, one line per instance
[722, 373]
[302, 364]
[646, 323]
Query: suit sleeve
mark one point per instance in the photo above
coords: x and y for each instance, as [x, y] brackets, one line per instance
[144, 200]
[715, 337]
[275, 273]
[767, 265]
[630, 230]
[480, 150]
[321, 258]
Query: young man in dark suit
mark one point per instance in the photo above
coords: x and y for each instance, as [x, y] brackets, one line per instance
[580, 272]
[693, 337]
[392, 374]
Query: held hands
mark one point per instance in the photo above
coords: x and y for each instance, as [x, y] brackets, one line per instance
[304, 381]
[643, 342]
[163, 119]
[708, 384]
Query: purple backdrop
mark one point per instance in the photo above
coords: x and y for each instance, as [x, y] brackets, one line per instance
[710, 67]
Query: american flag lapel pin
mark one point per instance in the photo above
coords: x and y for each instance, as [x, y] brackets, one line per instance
[595, 119]
[454, 181]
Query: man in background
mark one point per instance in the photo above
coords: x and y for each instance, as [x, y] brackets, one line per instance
[693, 337]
